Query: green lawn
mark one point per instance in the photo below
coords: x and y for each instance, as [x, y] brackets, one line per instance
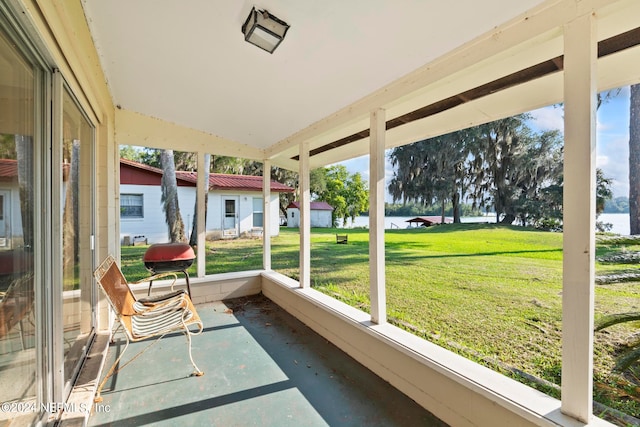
[492, 293]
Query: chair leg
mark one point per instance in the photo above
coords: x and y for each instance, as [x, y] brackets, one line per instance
[112, 370]
[197, 372]
[98, 397]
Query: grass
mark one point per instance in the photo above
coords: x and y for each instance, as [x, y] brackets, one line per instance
[492, 293]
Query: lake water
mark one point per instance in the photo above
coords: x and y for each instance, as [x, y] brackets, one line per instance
[620, 222]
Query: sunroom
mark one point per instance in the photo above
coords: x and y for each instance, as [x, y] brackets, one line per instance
[82, 77]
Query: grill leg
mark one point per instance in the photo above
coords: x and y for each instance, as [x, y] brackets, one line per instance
[149, 291]
[186, 276]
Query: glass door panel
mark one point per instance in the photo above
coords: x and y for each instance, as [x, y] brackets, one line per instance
[18, 87]
[77, 214]
[230, 219]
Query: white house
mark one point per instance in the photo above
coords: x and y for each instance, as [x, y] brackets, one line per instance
[235, 204]
[320, 214]
[10, 219]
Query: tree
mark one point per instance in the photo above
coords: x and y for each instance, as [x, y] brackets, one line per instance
[496, 166]
[346, 193]
[193, 238]
[538, 180]
[132, 153]
[356, 196]
[634, 160]
[603, 193]
[431, 171]
[169, 199]
[70, 221]
[501, 164]
[24, 155]
[550, 213]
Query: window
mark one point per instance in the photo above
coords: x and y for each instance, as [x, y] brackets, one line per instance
[258, 214]
[131, 206]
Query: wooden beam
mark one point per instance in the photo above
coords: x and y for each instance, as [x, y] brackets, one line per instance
[202, 189]
[376, 218]
[580, 63]
[133, 128]
[305, 217]
[540, 19]
[266, 214]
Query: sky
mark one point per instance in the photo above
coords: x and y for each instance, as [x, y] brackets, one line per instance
[612, 142]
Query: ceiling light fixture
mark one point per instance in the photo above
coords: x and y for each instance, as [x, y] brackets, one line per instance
[264, 30]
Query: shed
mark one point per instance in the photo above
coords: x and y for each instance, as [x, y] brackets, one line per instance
[320, 214]
[427, 221]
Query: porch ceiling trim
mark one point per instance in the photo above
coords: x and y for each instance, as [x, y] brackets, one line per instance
[548, 17]
[606, 47]
[136, 129]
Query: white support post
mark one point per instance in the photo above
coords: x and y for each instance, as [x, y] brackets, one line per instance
[266, 214]
[202, 188]
[305, 217]
[580, 56]
[376, 217]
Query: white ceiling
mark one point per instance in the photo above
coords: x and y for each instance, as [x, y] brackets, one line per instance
[188, 63]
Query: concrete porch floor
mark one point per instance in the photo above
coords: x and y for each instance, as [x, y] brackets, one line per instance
[262, 367]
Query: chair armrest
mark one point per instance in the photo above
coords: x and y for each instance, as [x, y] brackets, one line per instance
[151, 301]
[179, 302]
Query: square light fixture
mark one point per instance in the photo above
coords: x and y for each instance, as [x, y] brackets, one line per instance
[264, 30]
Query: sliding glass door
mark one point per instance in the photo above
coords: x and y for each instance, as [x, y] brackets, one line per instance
[20, 84]
[47, 171]
[76, 207]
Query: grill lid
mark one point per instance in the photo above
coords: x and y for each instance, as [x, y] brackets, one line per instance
[160, 252]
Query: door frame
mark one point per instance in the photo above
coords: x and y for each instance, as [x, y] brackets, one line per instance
[230, 232]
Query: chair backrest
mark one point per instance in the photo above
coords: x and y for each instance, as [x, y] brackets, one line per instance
[16, 303]
[114, 284]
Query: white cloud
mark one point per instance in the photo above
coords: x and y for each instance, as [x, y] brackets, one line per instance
[548, 118]
[612, 157]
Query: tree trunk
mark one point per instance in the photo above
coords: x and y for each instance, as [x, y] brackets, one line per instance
[507, 219]
[70, 223]
[193, 239]
[170, 197]
[634, 160]
[455, 201]
[24, 153]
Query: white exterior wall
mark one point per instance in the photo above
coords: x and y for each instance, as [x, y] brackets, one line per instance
[319, 218]
[215, 211]
[153, 225]
[293, 217]
[13, 219]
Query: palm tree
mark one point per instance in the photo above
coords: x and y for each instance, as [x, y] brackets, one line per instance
[193, 239]
[634, 160]
[170, 206]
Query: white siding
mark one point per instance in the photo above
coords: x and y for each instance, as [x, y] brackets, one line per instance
[13, 217]
[153, 225]
[319, 218]
[293, 217]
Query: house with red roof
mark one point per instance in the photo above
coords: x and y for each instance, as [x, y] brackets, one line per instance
[235, 203]
[10, 219]
[320, 214]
